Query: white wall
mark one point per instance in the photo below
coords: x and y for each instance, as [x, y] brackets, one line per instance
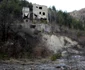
[36, 10]
[25, 11]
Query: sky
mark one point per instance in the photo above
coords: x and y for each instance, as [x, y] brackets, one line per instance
[64, 5]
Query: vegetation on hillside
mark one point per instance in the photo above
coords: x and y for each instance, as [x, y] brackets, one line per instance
[12, 43]
[16, 44]
[64, 19]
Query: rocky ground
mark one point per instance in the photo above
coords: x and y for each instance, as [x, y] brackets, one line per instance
[72, 53]
[76, 63]
[69, 61]
[72, 58]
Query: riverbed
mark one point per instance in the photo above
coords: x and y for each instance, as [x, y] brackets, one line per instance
[76, 62]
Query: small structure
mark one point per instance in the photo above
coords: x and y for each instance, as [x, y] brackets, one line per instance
[26, 12]
[40, 12]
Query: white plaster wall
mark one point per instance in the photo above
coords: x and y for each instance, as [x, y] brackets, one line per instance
[36, 10]
[25, 11]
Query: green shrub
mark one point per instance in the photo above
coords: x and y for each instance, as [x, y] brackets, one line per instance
[34, 21]
[55, 56]
[79, 34]
[43, 21]
[3, 56]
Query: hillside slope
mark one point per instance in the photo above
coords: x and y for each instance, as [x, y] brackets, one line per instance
[79, 14]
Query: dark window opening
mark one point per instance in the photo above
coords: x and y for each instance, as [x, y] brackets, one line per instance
[35, 15]
[43, 13]
[45, 18]
[26, 20]
[32, 26]
[39, 12]
[40, 7]
[25, 17]
[36, 6]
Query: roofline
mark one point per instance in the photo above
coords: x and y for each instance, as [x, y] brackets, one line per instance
[39, 4]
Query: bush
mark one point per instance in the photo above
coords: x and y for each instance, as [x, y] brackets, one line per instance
[55, 56]
[79, 34]
[44, 21]
[3, 56]
[41, 52]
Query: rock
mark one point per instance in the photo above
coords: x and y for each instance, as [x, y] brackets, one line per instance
[62, 66]
[73, 51]
[70, 41]
[64, 53]
[55, 43]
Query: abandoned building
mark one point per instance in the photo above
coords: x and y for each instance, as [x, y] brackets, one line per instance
[38, 12]
[25, 12]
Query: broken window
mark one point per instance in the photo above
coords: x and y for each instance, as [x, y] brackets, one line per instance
[39, 12]
[25, 16]
[40, 7]
[35, 15]
[32, 26]
[26, 20]
[43, 13]
[36, 6]
[45, 18]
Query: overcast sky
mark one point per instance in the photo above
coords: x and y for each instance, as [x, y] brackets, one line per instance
[64, 5]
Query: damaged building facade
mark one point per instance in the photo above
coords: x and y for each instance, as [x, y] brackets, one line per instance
[39, 12]
[25, 12]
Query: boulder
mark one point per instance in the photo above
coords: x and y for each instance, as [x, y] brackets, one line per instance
[55, 43]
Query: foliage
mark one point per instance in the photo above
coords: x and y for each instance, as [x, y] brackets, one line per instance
[55, 56]
[3, 56]
[25, 3]
[79, 34]
[10, 12]
[64, 19]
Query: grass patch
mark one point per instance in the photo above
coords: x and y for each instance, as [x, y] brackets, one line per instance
[55, 56]
[3, 56]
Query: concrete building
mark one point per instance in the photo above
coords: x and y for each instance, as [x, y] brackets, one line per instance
[40, 12]
[25, 12]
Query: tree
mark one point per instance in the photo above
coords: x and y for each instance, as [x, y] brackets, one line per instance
[53, 8]
[25, 3]
[52, 14]
[60, 18]
[10, 11]
[64, 19]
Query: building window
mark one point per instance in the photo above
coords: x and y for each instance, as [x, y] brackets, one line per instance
[39, 12]
[40, 7]
[36, 6]
[43, 13]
